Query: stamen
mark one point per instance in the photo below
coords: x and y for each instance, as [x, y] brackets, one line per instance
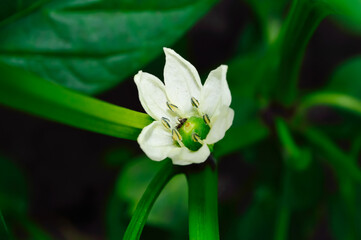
[172, 107]
[177, 137]
[197, 138]
[207, 120]
[195, 102]
[166, 123]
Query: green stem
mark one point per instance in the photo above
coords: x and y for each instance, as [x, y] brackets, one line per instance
[286, 138]
[136, 225]
[203, 204]
[301, 22]
[284, 212]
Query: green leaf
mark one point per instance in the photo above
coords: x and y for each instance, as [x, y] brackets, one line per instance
[90, 46]
[347, 78]
[135, 227]
[339, 161]
[24, 91]
[203, 203]
[259, 215]
[13, 189]
[269, 14]
[9, 8]
[300, 24]
[338, 100]
[344, 210]
[348, 9]
[247, 128]
[169, 210]
[4, 230]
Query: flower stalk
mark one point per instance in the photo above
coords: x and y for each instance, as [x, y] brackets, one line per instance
[203, 203]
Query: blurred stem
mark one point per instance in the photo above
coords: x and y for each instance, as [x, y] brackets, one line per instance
[301, 22]
[3, 223]
[340, 161]
[329, 99]
[286, 138]
[139, 218]
[355, 148]
[284, 212]
[203, 203]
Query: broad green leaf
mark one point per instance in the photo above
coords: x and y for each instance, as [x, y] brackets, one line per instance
[203, 203]
[90, 46]
[9, 8]
[169, 210]
[27, 92]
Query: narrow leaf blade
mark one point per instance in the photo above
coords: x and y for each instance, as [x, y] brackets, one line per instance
[27, 92]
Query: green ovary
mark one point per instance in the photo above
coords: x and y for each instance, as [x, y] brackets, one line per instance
[193, 125]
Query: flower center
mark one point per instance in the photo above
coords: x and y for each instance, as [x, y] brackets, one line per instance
[193, 131]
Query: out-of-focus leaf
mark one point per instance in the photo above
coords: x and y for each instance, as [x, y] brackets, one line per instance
[259, 215]
[4, 230]
[300, 24]
[9, 8]
[170, 209]
[150, 195]
[269, 14]
[116, 217]
[347, 9]
[13, 189]
[345, 220]
[27, 92]
[91, 46]
[306, 187]
[247, 127]
[347, 78]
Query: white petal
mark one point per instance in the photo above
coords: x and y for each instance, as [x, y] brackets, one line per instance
[215, 92]
[183, 156]
[220, 124]
[156, 141]
[152, 95]
[182, 81]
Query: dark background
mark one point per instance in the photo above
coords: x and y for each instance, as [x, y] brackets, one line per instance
[69, 181]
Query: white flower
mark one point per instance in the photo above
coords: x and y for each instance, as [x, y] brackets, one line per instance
[187, 115]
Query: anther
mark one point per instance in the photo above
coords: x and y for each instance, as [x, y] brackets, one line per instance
[177, 137]
[195, 102]
[172, 107]
[197, 138]
[206, 119]
[166, 123]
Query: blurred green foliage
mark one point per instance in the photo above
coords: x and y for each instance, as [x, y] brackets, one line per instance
[90, 46]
